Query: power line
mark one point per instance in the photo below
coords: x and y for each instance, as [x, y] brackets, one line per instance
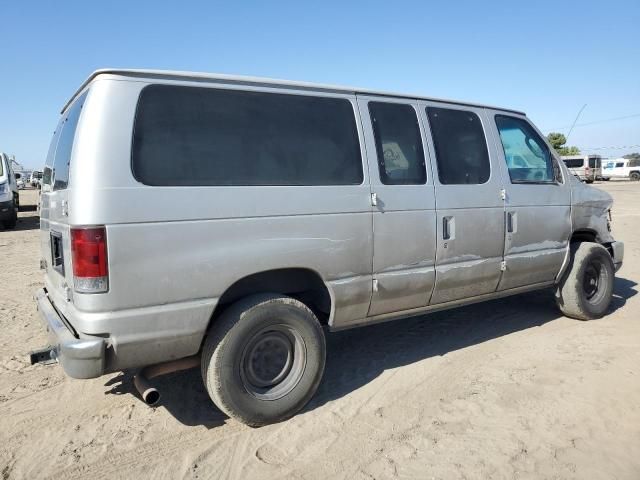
[574, 122]
[619, 147]
[596, 122]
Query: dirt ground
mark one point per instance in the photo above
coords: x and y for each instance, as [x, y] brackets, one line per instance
[505, 389]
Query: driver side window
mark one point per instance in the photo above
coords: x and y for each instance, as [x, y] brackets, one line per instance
[528, 157]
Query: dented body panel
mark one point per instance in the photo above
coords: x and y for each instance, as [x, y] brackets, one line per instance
[178, 254]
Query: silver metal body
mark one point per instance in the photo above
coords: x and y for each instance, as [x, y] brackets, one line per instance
[378, 249]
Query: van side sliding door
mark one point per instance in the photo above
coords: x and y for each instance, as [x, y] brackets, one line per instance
[470, 209]
[402, 197]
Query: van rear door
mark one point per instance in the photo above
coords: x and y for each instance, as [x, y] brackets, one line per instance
[54, 206]
[403, 199]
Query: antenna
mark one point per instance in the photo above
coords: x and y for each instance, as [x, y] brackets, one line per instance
[574, 122]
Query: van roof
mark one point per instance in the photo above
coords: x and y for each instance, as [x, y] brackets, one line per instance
[260, 81]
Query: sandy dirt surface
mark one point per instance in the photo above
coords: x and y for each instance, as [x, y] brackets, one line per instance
[505, 389]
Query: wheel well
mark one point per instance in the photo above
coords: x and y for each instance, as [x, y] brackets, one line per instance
[300, 283]
[583, 236]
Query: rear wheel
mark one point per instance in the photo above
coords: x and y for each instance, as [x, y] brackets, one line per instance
[586, 288]
[634, 176]
[263, 359]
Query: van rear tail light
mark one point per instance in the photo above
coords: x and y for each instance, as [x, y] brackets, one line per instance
[89, 259]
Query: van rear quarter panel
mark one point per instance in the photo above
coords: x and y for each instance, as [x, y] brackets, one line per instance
[168, 245]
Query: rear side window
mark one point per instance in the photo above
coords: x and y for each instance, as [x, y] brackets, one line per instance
[204, 136]
[634, 163]
[528, 157]
[460, 146]
[398, 144]
[574, 163]
[61, 146]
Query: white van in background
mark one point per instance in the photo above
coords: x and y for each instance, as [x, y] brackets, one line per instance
[622, 168]
[586, 167]
[36, 179]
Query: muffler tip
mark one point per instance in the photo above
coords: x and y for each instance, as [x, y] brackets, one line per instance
[151, 396]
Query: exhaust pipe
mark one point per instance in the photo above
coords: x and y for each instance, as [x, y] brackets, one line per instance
[150, 394]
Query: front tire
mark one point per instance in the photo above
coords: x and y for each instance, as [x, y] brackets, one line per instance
[263, 359]
[634, 176]
[11, 222]
[587, 286]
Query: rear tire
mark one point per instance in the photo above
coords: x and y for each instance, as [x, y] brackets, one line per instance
[634, 176]
[586, 288]
[263, 359]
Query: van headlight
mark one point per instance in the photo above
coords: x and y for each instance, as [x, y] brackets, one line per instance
[3, 188]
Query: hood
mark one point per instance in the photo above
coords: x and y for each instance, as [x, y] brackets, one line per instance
[587, 196]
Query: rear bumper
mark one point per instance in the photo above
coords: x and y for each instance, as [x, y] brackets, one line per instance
[617, 249]
[81, 356]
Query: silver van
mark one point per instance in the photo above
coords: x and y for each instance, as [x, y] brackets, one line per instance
[587, 168]
[229, 222]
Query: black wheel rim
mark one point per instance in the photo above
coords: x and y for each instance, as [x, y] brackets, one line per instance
[272, 362]
[594, 281]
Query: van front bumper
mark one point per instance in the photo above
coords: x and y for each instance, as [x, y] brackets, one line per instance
[617, 250]
[81, 356]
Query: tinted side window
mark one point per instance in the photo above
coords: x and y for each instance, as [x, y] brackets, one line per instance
[48, 163]
[634, 163]
[574, 162]
[398, 144]
[528, 158]
[205, 136]
[594, 163]
[62, 158]
[460, 146]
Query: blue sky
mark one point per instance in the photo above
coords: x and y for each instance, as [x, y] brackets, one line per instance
[546, 58]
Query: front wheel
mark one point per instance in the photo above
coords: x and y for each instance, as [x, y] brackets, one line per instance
[263, 359]
[11, 222]
[587, 286]
[634, 176]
